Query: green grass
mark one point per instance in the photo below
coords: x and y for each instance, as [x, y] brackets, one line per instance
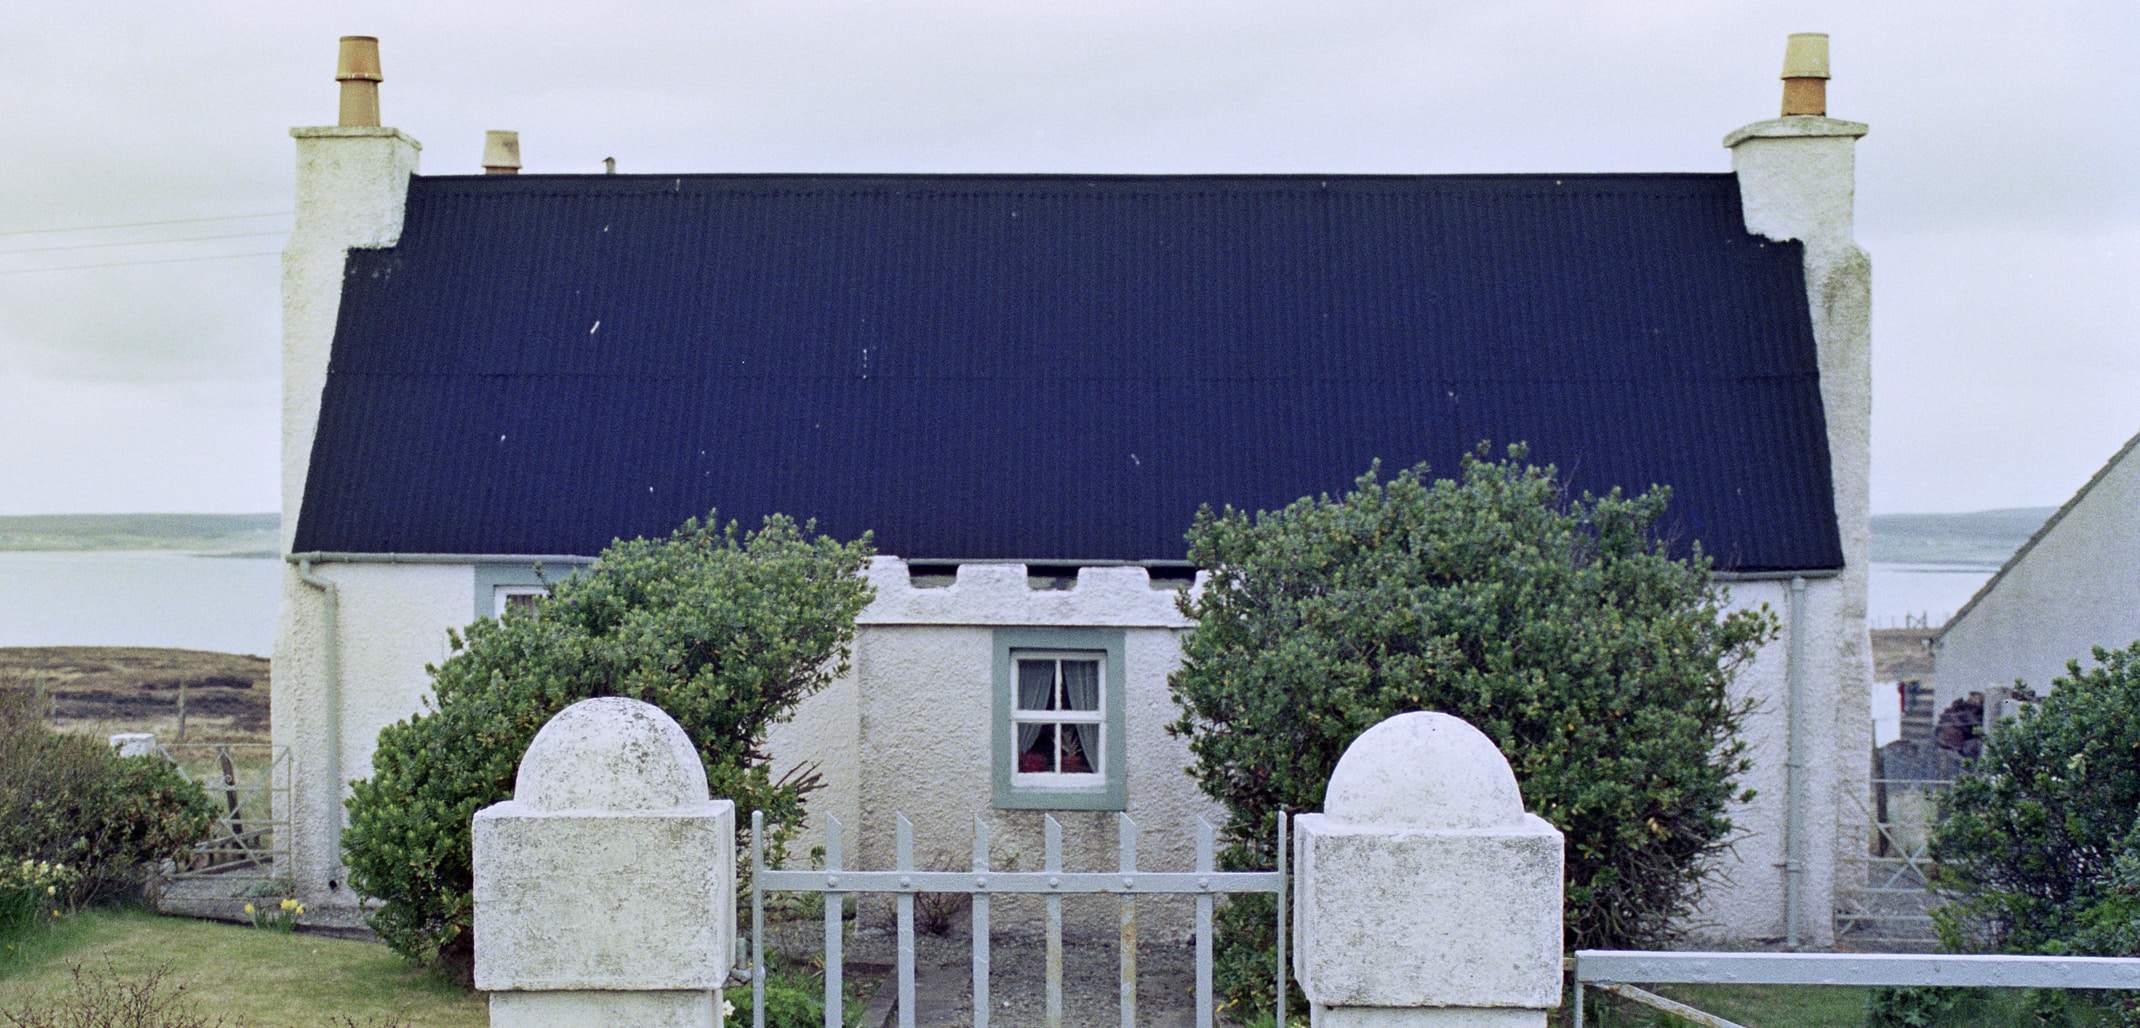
[1828, 1006]
[265, 978]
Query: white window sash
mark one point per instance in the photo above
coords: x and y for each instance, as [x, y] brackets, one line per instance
[1059, 717]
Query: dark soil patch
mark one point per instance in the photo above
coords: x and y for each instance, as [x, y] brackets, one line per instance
[103, 689]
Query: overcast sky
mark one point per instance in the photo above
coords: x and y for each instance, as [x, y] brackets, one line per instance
[1999, 189]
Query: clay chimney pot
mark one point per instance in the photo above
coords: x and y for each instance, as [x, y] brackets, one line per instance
[1805, 74]
[357, 69]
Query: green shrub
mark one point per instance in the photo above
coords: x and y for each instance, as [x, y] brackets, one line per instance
[1923, 1006]
[1562, 628]
[66, 799]
[725, 632]
[2039, 851]
[794, 998]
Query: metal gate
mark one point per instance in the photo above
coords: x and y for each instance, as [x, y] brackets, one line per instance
[250, 785]
[1052, 881]
[1888, 900]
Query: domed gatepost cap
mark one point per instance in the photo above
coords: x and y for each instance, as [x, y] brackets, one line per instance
[1424, 770]
[611, 753]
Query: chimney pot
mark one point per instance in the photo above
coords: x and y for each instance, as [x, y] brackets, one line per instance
[1805, 74]
[501, 152]
[357, 69]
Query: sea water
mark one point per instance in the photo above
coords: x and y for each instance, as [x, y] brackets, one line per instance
[117, 598]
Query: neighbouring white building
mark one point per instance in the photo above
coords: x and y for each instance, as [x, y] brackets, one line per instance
[1025, 385]
[2073, 586]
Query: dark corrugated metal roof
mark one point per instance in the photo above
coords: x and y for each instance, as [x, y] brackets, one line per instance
[1053, 367]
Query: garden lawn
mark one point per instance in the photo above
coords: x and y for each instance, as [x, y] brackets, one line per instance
[266, 978]
[1834, 1006]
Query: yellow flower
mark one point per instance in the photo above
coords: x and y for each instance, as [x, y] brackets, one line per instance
[289, 904]
[53, 890]
[300, 908]
[248, 908]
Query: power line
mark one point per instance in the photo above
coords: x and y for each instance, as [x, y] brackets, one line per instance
[144, 224]
[144, 242]
[129, 264]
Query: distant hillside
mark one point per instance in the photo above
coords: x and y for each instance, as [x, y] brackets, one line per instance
[191, 533]
[1984, 538]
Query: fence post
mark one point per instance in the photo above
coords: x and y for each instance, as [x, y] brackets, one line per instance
[605, 888]
[1423, 849]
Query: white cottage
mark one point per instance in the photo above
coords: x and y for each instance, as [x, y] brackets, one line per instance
[2073, 586]
[1025, 386]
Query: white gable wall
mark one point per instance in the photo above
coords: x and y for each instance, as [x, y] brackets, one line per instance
[2074, 586]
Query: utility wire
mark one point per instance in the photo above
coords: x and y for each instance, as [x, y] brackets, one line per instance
[144, 224]
[144, 242]
[129, 264]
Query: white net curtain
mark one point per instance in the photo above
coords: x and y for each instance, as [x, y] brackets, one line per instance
[1052, 737]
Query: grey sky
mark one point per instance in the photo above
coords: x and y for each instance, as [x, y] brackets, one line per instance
[1999, 190]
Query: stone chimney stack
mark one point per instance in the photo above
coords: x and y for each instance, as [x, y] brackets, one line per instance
[1797, 182]
[352, 181]
[352, 185]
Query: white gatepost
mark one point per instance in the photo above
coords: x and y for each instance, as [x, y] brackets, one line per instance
[1427, 897]
[605, 888]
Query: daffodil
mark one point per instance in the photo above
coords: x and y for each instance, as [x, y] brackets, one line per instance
[248, 908]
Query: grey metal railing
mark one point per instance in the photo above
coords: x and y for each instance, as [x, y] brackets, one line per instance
[1052, 882]
[1618, 971]
[250, 785]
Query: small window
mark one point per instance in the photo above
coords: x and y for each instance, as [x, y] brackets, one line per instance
[1058, 736]
[502, 589]
[516, 599]
[1057, 716]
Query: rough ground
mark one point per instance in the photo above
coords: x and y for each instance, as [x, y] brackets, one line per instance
[103, 689]
[1900, 653]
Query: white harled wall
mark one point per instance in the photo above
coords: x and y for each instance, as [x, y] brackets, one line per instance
[909, 732]
[393, 620]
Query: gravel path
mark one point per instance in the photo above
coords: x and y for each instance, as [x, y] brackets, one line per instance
[1017, 982]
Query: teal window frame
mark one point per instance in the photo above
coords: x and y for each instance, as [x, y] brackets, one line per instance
[1111, 792]
[489, 577]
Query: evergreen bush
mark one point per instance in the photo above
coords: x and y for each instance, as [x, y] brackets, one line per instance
[2039, 850]
[1561, 627]
[71, 800]
[726, 632]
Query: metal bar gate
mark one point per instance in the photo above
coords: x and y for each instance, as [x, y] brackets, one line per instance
[1205, 883]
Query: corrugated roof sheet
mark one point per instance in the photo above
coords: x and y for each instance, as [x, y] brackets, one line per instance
[1053, 367]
